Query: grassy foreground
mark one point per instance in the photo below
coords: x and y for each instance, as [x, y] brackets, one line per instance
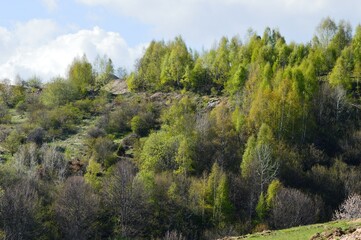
[300, 233]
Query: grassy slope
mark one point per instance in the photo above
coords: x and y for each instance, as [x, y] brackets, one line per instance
[300, 233]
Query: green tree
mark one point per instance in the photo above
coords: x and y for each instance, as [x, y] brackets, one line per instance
[185, 156]
[81, 75]
[139, 125]
[91, 176]
[175, 64]
[180, 117]
[342, 37]
[197, 79]
[225, 140]
[261, 208]
[217, 193]
[159, 152]
[237, 80]
[272, 190]
[356, 50]
[223, 208]
[342, 73]
[58, 92]
[248, 157]
[148, 68]
[258, 164]
[220, 64]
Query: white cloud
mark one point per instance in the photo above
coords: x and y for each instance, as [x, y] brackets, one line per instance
[35, 31]
[51, 5]
[204, 21]
[40, 51]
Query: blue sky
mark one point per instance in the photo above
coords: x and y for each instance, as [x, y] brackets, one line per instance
[42, 37]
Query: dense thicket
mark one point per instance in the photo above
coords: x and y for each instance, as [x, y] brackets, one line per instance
[251, 134]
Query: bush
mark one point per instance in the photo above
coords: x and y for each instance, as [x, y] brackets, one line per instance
[4, 114]
[131, 114]
[26, 159]
[19, 211]
[95, 132]
[119, 121]
[76, 209]
[293, 208]
[53, 163]
[64, 119]
[58, 92]
[140, 126]
[85, 106]
[37, 136]
[104, 151]
[349, 209]
[13, 141]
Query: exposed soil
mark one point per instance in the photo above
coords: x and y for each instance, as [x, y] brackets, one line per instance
[339, 234]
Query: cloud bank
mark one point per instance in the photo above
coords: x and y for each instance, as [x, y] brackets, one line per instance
[39, 48]
[204, 21]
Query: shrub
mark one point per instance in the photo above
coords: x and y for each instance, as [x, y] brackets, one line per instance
[58, 92]
[76, 209]
[119, 120]
[95, 132]
[104, 151]
[37, 136]
[293, 208]
[26, 159]
[86, 107]
[5, 117]
[13, 141]
[139, 126]
[350, 208]
[53, 163]
[19, 211]
[64, 119]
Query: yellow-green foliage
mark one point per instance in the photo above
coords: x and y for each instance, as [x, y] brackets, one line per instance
[91, 176]
[81, 75]
[248, 156]
[272, 190]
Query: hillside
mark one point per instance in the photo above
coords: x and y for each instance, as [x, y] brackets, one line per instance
[253, 134]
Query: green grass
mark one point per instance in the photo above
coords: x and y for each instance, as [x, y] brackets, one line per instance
[301, 233]
[74, 144]
[17, 118]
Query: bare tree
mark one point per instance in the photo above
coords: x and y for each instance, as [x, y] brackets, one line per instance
[331, 104]
[54, 165]
[19, 205]
[326, 30]
[45, 162]
[350, 208]
[262, 170]
[125, 196]
[293, 208]
[340, 101]
[27, 159]
[266, 167]
[76, 209]
[173, 235]
[5, 91]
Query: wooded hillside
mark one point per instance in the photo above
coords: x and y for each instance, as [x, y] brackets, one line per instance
[252, 134]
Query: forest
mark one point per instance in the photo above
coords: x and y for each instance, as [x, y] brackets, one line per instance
[249, 135]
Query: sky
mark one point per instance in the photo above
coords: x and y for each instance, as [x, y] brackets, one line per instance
[42, 37]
